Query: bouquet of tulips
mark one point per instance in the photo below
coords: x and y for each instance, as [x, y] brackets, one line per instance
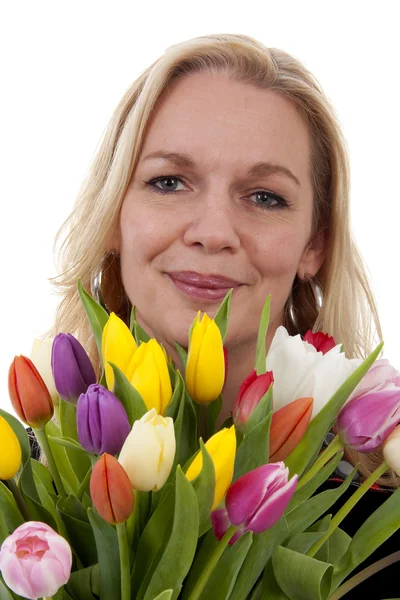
[142, 495]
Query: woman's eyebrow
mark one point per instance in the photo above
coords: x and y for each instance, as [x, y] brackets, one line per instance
[181, 159]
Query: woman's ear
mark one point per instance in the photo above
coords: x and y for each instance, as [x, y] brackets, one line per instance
[313, 256]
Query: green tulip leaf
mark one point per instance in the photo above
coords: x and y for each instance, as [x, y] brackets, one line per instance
[306, 579]
[263, 408]
[80, 463]
[177, 555]
[60, 455]
[204, 486]
[173, 407]
[67, 442]
[165, 595]
[182, 354]
[78, 528]
[302, 542]
[21, 434]
[213, 410]
[223, 578]
[96, 315]
[253, 452]
[300, 457]
[28, 489]
[259, 554]
[373, 532]
[206, 547]
[44, 486]
[108, 556]
[138, 332]
[79, 585]
[260, 360]
[336, 546]
[189, 443]
[130, 398]
[5, 593]
[11, 517]
[222, 316]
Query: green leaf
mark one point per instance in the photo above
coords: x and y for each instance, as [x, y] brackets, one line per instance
[67, 442]
[64, 467]
[80, 463]
[130, 398]
[306, 579]
[204, 486]
[96, 315]
[172, 409]
[179, 551]
[189, 444]
[253, 452]
[108, 556]
[10, 515]
[165, 595]
[182, 354]
[213, 410]
[223, 578]
[260, 552]
[79, 585]
[21, 434]
[80, 533]
[373, 532]
[138, 332]
[298, 460]
[302, 542]
[337, 544]
[5, 593]
[31, 496]
[222, 316]
[207, 546]
[44, 486]
[260, 360]
[262, 410]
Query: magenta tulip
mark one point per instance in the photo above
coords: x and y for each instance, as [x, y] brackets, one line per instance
[251, 391]
[256, 501]
[365, 422]
[35, 561]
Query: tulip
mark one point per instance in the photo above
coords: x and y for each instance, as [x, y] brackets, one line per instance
[288, 426]
[381, 376]
[321, 341]
[41, 358]
[222, 449]
[300, 371]
[101, 420]
[150, 375]
[10, 455]
[391, 450]
[72, 370]
[117, 346]
[205, 367]
[28, 393]
[149, 451]
[256, 501]
[35, 561]
[365, 422]
[251, 391]
[111, 490]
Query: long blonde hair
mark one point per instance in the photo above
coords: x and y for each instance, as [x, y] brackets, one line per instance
[348, 312]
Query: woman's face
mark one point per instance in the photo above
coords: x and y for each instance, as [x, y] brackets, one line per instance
[221, 197]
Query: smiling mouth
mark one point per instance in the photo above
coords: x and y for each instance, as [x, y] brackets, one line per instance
[203, 287]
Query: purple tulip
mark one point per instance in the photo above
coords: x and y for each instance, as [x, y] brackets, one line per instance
[72, 370]
[101, 420]
[365, 422]
[256, 501]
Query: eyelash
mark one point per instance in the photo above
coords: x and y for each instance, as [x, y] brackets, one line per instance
[281, 202]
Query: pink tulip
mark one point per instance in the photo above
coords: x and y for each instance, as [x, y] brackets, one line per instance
[251, 391]
[365, 422]
[256, 501]
[381, 376]
[321, 341]
[35, 561]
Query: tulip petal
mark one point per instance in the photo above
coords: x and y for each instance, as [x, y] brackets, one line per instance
[195, 342]
[210, 371]
[11, 454]
[140, 456]
[117, 346]
[288, 426]
[29, 395]
[220, 522]
[272, 509]
[14, 575]
[146, 379]
[46, 577]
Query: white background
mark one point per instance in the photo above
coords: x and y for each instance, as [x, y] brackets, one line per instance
[65, 66]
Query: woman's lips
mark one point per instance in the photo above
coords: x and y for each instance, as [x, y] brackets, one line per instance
[202, 287]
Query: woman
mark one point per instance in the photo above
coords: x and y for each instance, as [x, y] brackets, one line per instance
[223, 166]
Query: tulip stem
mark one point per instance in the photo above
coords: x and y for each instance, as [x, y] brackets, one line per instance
[45, 447]
[19, 499]
[347, 506]
[124, 560]
[212, 563]
[334, 447]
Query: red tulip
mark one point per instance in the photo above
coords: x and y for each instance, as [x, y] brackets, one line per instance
[111, 490]
[288, 426]
[251, 391]
[29, 395]
[321, 341]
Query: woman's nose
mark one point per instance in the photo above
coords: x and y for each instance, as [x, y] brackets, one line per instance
[212, 225]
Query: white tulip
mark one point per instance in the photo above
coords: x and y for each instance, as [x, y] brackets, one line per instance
[391, 450]
[149, 451]
[41, 358]
[300, 371]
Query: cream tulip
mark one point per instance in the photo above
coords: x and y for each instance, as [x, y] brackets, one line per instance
[41, 358]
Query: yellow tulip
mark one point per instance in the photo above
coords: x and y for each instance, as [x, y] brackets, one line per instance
[10, 455]
[222, 450]
[150, 376]
[205, 367]
[117, 346]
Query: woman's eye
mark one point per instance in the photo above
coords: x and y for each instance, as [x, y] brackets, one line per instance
[165, 184]
[269, 200]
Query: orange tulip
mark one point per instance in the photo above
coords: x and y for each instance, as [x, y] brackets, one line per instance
[111, 490]
[288, 426]
[29, 395]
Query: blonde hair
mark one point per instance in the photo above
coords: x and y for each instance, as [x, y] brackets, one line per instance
[348, 312]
